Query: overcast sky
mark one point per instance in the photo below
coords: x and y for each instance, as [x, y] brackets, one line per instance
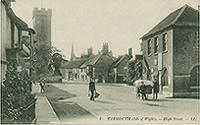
[89, 23]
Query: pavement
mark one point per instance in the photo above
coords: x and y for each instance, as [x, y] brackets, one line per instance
[44, 111]
[117, 103]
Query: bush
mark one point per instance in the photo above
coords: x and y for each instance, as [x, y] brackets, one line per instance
[16, 94]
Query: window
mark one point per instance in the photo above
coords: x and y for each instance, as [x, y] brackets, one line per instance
[12, 35]
[155, 44]
[164, 40]
[149, 46]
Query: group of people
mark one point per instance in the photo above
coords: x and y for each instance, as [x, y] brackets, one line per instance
[143, 88]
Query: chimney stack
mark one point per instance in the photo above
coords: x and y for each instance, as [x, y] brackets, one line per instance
[89, 51]
[130, 52]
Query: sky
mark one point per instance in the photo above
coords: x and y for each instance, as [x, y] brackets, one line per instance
[90, 23]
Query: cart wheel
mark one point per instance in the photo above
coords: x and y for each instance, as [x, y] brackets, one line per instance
[138, 96]
[146, 97]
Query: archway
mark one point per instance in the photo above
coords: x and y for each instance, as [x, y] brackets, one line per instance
[194, 77]
[164, 77]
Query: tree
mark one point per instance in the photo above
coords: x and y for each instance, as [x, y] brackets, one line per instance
[131, 71]
[134, 71]
[41, 58]
[56, 62]
[16, 94]
[44, 57]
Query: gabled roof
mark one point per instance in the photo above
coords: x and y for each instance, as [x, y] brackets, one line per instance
[20, 23]
[120, 59]
[74, 64]
[91, 61]
[7, 2]
[184, 16]
[94, 59]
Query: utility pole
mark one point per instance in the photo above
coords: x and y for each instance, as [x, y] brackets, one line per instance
[198, 52]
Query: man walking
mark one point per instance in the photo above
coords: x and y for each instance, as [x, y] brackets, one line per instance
[143, 91]
[42, 84]
[155, 88]
[92, 89]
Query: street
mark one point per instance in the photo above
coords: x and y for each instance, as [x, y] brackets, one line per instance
[119, 103]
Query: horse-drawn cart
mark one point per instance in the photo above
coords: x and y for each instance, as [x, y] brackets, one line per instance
[143, 87]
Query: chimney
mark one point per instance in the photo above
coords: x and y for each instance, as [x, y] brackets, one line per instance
[130, 52]
[89, 51]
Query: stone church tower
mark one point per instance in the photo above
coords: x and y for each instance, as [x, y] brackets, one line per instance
[42, 25]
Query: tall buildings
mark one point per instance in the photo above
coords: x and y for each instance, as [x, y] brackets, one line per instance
[42, 25]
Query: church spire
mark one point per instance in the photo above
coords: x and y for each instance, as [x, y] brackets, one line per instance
[72, 53]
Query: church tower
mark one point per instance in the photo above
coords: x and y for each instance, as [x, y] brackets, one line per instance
[42, 25]
[105, 48]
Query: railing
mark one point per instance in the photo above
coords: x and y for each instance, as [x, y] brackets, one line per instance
[23, 115]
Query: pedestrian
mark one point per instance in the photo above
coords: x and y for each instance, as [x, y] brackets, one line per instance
[41, 82]
[92, 89]
[155, 88]
[143, 91]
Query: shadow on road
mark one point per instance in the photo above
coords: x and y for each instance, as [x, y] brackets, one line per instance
[106, 102]
[159, 100]
[65, 110]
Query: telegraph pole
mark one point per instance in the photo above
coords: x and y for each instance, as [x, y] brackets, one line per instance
[198, 53]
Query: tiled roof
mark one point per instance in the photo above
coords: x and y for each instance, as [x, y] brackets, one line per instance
[74, 64]
[91, 61]
[119, 60]
[94, 59]
[184, 16]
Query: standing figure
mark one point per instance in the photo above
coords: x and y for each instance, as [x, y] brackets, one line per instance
[42, 84]
[155, 88]
[92, 89]
[143, 91]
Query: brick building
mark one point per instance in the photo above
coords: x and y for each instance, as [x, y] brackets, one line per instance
[170, 53]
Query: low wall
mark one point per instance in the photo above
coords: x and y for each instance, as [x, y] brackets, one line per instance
[182, 87]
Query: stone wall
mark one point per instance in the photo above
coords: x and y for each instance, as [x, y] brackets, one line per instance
[185, 57]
